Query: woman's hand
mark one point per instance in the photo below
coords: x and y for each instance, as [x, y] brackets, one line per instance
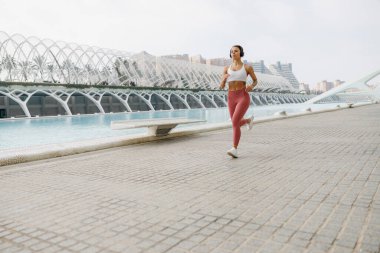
[249, 88]
[225, 77]
[254, 78]
[224, 81]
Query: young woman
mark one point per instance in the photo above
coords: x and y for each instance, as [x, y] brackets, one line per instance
[238, 98]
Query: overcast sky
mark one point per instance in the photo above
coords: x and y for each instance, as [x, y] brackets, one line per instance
[324, 39]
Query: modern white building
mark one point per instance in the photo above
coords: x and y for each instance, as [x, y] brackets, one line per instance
[45, 77]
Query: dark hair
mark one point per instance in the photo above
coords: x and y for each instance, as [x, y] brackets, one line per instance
[240, 48]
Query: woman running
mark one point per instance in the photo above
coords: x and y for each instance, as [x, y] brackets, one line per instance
[235, 76]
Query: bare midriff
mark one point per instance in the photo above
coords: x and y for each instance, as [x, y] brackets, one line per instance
[236, 85]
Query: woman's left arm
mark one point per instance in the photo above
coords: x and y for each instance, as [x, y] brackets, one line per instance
[254, 78]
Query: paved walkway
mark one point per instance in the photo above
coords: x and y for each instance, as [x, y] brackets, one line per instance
[305, 184]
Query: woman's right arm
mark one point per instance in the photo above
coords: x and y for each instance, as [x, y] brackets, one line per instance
[224, 78]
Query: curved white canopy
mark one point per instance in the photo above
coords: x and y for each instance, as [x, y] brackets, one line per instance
[34, 60]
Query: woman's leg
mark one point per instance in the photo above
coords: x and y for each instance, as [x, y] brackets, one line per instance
[232, 103]
[238, 114]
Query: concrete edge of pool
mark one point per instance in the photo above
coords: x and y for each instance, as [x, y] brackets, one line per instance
[28, 154]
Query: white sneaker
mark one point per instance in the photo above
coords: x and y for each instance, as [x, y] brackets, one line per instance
[233, 152]
[250, 124]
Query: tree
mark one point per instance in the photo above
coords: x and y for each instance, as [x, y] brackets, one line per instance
[51, 69]
[9, 63]
[67, 65]
[89, 70]
[105, 73]
[26, 68]
[117, 66]
[39, 64]
[77, 72]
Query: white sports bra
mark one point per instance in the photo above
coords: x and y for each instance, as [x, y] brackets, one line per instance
[238, 75]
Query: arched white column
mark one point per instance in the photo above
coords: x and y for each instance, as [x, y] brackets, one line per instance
[57, 95]
[124, 102]
[263, 98]
[181, 99]
[221, 99]
[163, 99]
[20, 102]
[90, 96]
[198, 99]
[141, 95]
[208, 99]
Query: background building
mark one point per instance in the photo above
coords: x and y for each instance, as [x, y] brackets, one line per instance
[182, 57]
[338, 83]
[219, 62]
[325, 85]
[305, 88]
[260, 67]
[286, 71]
[197, 59]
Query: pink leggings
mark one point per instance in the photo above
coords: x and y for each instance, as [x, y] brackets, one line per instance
[238, 103]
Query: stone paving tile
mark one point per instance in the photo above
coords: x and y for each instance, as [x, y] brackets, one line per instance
[305, 184]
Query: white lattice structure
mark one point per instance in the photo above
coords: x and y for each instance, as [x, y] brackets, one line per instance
[33, 60]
